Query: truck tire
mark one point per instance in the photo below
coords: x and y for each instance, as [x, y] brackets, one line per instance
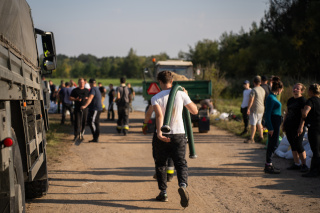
[19, 199]
[39, 187]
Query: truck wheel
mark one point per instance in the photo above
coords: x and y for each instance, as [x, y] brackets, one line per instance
[19, 199]
[39, 187]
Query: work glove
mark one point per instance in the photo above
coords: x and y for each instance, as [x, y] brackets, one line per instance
[144, 128]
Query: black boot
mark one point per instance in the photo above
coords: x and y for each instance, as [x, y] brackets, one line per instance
[314, 168]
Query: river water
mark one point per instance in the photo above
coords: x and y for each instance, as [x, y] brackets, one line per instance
[138, 104]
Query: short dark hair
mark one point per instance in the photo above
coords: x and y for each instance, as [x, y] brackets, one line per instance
[257, 79]
[92, 80]
[122, 80]
[67, 83]
[264, 78]
[165, 76]
[276, 83]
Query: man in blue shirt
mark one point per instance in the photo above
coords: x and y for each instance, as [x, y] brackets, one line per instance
[64, 96]
[95, 107]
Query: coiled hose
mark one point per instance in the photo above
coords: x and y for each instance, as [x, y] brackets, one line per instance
[186, 120]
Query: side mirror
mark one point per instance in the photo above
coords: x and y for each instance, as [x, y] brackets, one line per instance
[146, 70]
[49, 51]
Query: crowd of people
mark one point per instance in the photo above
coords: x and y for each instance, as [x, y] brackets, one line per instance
[85, 103]
[261, 107]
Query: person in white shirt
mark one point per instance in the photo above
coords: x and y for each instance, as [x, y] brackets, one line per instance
[244, 106]
[172, 144]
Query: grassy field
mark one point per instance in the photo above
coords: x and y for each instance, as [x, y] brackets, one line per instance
[227, 105]
[56, 136]
[105, 82]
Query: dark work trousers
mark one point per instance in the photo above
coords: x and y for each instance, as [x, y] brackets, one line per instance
[123, 117]
[94, 123]
[295, 140]
[66, 107]
[314, 140]
[245, 117]
[79, 125]
[273, 141]
[176, 149]
[111, 111]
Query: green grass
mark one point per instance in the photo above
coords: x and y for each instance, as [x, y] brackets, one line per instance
[227, 105]
[56, 137]
[105, 82]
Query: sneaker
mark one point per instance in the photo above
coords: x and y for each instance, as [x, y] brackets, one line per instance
[169, 177]
[249, 141]
[271, 169]
[184, 195]
[94, 141]
[304, 168]
[294, 167]
[162, 197]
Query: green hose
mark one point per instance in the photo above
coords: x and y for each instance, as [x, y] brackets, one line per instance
[186, 120]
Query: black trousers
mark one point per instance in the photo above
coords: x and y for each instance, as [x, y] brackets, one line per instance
[80, 120]
[176, 149]
[245, 117]
[295, 140]
[273, 141]
[66, 107]
[123, 117]
[94, 123]
[111, 111]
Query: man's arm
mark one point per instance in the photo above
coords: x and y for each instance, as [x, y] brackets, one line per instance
[91, 96]
[148, 114]
[304, 114]
[159, 123]
[251, 99]
[192, 107]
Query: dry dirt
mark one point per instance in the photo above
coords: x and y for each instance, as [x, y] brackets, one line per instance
[115, 175]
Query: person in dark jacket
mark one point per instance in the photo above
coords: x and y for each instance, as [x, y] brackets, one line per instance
[311, 116]
[95, 108]
[64, 96]
[123, 100]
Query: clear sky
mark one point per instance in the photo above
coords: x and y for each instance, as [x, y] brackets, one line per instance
[112, 27]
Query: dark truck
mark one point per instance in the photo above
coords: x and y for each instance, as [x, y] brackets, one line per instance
[198, 90]
[24, 104]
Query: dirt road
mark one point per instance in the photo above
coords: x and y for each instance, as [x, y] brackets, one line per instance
[115, 175]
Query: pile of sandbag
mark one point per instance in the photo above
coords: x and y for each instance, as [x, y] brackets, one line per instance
[284, 149]
[177, 77]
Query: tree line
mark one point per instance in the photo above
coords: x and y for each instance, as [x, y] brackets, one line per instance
[286, 43]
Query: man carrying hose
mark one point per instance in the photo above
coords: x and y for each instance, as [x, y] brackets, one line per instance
[173, 143]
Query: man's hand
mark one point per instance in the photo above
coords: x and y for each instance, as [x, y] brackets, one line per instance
[163, 138]
[82, 107]
[184, 90]
[144, 128]
[248, 111]
[270, 132]
[300, 130]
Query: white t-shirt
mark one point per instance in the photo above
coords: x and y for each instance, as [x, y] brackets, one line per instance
[181, 99]
[246, 96]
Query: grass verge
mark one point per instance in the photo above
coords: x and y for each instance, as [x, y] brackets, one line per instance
[233, 126]
[56, 144]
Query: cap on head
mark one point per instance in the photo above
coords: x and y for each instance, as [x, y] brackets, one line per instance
[92, 80]
[246, 82]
